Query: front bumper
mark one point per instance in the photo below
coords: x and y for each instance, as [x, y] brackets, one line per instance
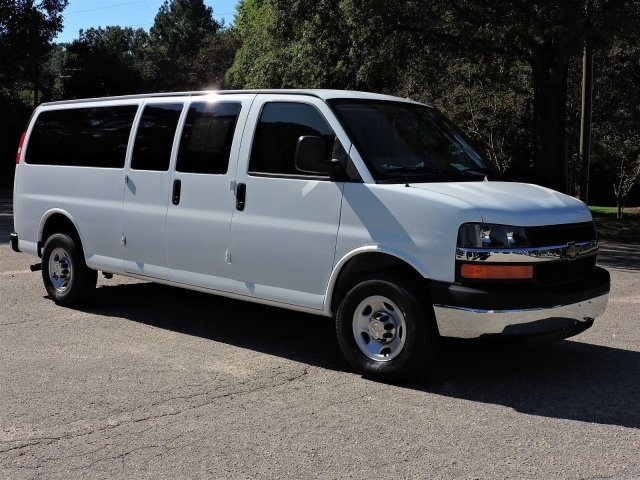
[519, 310]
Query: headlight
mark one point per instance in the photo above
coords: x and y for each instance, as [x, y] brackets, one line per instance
[486, 235]
[482, 248]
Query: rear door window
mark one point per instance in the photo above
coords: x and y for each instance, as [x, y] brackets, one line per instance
[207, 135]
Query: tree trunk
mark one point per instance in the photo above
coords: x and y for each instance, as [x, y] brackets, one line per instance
[549, 120]
[620, 204]
[585, 120]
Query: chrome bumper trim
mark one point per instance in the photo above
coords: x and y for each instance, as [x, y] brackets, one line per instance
[472, 323]
[568, 251]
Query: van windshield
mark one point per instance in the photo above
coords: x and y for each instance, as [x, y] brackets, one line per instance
[409, 142]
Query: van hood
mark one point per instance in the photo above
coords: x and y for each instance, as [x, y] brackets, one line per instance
[511, 203]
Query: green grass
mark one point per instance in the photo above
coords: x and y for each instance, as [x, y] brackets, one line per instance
[627, 229]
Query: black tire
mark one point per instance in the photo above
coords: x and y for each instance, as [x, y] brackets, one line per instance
[66, 277]
[412, 345]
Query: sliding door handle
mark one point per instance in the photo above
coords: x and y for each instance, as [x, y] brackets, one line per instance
[241, 195]
[177, 187]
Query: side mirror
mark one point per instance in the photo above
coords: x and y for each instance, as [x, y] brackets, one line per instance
[311, 156]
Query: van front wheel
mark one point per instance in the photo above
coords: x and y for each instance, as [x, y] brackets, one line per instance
[66, 277]
[384, 330]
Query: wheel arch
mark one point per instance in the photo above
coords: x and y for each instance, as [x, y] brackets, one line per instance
[361, 264]
[58, 221]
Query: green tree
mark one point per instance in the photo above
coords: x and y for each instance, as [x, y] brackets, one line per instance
[109, 61]
[490, 99]
[27, 28]
[214, 58]
[412, 46]
[360, 45]
[616, 119]
[258, 62]
[544, 35]
[180, 30]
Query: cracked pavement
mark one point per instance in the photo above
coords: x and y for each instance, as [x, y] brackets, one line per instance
[148, 381]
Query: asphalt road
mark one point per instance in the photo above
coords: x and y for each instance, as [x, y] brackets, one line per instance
[148, 381]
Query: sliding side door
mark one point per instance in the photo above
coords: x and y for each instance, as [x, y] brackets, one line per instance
[147, 190]
[202, 201]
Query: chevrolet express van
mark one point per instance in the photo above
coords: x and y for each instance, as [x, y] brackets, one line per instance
[373, 209]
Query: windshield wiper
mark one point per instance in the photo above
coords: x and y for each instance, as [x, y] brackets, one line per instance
[487, 172]
[417, 169]
[480, 170]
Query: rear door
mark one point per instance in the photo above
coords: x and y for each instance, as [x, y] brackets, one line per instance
[147, 189]
[285, 222]
[202, 197]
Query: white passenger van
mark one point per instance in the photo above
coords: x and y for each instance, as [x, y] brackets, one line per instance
[369, 208]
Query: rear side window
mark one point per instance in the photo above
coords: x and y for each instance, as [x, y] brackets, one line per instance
[154, 137]
[281, 125]
[81, 137]
[205, 145]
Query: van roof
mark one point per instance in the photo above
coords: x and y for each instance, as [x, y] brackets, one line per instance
[324, 94]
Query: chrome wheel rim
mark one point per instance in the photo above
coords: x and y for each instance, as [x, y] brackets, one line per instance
[60, 269]
[379, 328]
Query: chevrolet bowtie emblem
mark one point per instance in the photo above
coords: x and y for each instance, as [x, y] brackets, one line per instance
[572, 250]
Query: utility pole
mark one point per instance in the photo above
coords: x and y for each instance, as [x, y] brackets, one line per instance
[585, 124]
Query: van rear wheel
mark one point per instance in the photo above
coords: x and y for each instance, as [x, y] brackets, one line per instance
[66, 277]
[385, 331]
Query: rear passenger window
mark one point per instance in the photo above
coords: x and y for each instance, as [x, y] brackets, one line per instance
[154, 138]
[205, 145]
[82, 137]
[281, 125]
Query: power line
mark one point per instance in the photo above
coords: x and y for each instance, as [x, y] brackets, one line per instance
[127, 3]
[105, 8]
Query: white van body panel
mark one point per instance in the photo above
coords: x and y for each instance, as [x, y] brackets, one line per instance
[90, 198]
[413, 224]
[284, 248]
[143, 223]
[511, 203]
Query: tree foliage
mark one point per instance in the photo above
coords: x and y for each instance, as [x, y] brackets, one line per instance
[616, 120]
[498, 67]
[214, 58]
[102, 62]
[179, 31]
[259, 61]
[362, 45]
[506, 71]
[27, 28]
[186, 49]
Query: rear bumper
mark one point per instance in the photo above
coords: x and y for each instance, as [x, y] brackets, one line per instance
[14, 242]
[519, 310]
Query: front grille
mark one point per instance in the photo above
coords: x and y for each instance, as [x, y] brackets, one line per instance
[556, 273]
[552, 235]
[550, 272]
[567, 271]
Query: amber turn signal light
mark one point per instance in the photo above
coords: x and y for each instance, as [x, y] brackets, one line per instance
[496, 272]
